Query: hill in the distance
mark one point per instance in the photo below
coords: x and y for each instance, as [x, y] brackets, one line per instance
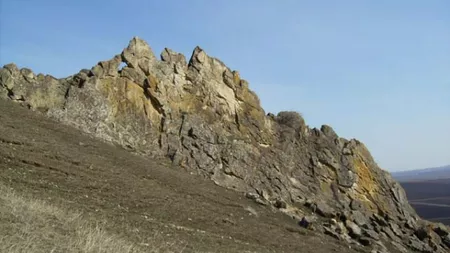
[423, 174]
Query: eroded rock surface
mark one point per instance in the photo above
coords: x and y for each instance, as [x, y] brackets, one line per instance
[203, 117]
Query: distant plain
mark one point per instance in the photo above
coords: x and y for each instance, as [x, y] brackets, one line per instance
[430, 199]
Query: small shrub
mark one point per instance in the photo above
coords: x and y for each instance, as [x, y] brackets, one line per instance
[290, 119]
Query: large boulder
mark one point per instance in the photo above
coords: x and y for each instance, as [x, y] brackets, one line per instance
[354, 230]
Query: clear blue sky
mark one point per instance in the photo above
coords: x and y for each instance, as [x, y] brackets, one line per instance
[378, 71]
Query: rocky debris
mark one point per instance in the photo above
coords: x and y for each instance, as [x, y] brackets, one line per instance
[439, 234]
[441, 229]
[410, 224]
[332, 233]
[377, 219]
[399, 247]
[324, 210]
[365, 241]
[202, 116]
[423, 233]
[338, 226]
[396, 229]
[280, 204]
[391, 236]
[446, 241]
[372, 234]
[417, 245]
[354, 230]
[428, 240]
[355, 204]
[256, 198]
[359, 218]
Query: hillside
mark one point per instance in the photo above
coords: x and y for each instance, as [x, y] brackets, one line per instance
[201, 117]
[127, 199]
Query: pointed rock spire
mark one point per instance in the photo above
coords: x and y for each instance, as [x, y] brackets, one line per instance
[198, 58]
[138, 55]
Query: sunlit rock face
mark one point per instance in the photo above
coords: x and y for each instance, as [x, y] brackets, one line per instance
[203, 117]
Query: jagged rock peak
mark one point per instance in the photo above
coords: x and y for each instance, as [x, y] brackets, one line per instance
[204, 118]
[170, 56]
[139, 48]
[198, 56]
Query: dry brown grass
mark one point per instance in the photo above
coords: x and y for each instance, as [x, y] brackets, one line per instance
[30, 225]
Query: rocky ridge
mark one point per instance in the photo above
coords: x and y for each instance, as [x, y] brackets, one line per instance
[203, 117]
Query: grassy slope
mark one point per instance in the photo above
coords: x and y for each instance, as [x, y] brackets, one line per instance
[31, 225]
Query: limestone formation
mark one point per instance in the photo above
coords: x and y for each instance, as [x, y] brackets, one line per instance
[204, 118]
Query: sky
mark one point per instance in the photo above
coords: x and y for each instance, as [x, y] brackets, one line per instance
[377, 71]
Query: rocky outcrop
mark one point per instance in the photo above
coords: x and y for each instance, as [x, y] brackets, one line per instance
[204, 118]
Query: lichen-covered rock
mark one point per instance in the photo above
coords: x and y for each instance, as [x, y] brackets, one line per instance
[204, 118]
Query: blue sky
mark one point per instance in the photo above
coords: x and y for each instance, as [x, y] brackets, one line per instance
[378, 71]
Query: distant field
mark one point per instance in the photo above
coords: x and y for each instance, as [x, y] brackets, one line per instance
[437, 201]
[431, 199]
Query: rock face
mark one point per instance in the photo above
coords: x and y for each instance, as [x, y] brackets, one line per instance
[203, 117]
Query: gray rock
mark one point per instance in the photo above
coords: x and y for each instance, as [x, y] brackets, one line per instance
[391, 234]
[446, 241]
[251, 195]
[328, 131]
[420, 246]
[416, 245]
[355, 204]
[411, 224]
[330, 232]
[359, 218]
[365, 241]
[340, 228]
[138, 55]
[399, 247]
[441, 229]
[346, 151]
[325, 210]
[379, 220]
[133, 75]
[396, 229]
[170, 56]
[354, 230]
[372, 234]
